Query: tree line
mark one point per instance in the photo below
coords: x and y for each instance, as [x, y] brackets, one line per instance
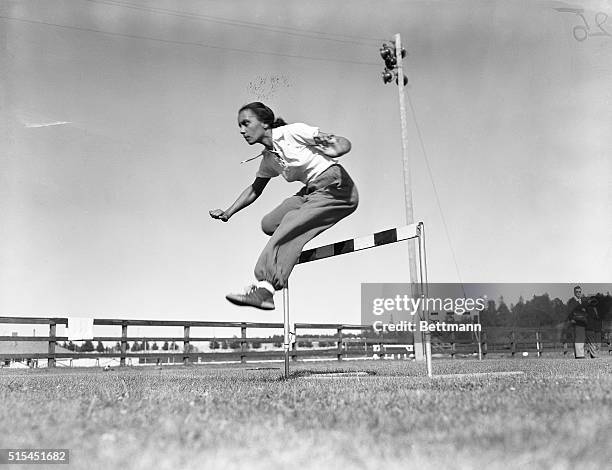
[136, 346]
[142, 346]
[539, 312]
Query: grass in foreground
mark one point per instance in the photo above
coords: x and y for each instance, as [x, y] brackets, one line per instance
[558, 414]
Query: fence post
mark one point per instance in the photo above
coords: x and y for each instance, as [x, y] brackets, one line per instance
[186, 344]
[453, 346]
[484, 344]
[512, 343]
[51, 350]
[243, 344]
[294, 345]
[124, 327]
[339, 354]
[538, 343]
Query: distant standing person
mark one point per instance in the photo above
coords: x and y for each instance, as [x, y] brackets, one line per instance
[583, 315]
[298, 152]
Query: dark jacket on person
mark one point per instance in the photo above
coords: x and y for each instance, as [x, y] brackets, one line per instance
[582, 313]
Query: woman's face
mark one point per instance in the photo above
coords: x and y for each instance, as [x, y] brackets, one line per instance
[251, 128]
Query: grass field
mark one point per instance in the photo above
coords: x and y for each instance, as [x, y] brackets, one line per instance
[557, 414]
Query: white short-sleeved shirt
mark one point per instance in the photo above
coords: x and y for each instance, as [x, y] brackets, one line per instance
[293, 156]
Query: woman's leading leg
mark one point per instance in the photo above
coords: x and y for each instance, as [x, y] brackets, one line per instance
[273, 219]
[261, 295]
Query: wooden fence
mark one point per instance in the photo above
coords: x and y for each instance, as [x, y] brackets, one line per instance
[512, 341]
[347, 345]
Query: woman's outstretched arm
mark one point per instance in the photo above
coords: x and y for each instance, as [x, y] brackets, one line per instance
[246, 198]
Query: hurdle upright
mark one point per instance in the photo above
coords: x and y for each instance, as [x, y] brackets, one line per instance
[394, 235]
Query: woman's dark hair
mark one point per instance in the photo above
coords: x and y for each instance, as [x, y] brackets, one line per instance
[264, 114]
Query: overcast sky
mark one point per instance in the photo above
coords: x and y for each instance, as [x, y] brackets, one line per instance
[119, 134]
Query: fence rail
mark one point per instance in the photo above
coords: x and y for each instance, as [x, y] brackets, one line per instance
[494, 340]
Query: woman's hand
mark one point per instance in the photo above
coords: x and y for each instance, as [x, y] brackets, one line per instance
[325, 140]
[219, 214]
[332, 145]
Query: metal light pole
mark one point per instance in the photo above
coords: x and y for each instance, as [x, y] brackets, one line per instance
[394, 67]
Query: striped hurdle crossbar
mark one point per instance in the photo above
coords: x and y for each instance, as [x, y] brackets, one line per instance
[356, 244]
[385, 237]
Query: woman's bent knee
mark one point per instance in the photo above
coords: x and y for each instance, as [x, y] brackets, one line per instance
[268, 226]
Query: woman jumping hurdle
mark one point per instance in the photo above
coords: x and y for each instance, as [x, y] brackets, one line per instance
[299, 152]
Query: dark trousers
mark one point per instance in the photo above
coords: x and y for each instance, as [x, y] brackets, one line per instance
[298, 219]
[586, 342]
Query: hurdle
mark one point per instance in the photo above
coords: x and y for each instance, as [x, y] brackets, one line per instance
[386, 237]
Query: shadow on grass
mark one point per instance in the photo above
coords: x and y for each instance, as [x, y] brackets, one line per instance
[329, 373]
